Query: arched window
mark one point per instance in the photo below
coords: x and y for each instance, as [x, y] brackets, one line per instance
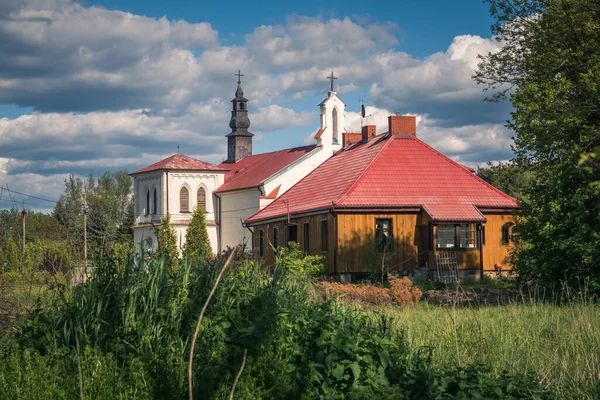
[147, 210]
[154, 204]
[184, 200]
[334, 122]
[202, 198]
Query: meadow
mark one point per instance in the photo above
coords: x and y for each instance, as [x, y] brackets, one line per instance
[129, 332]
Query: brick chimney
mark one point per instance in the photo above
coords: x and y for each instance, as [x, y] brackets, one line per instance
[368, 131]
[402, 124]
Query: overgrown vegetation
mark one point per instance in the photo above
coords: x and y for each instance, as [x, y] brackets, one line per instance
[127, 333]
[549, 66]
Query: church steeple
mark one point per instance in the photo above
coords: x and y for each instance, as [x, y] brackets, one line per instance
[239, 140]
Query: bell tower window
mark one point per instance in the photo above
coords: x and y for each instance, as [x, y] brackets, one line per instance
[184, 200]
[334, 122]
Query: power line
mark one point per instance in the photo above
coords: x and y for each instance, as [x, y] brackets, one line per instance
[29, 204]
[29, 195]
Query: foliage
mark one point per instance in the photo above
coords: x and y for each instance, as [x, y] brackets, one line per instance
[10, 256]
[509, 177]
[167, 243]
[296, 262]
[550, 66]
[109, 203]
[401, 292]
[197, 243]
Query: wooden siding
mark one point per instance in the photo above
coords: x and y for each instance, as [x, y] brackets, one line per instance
[351, 235]
[356, 233]
[494, 252]
[314, 223]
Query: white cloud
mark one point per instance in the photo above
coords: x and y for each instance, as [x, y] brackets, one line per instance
[116, 90]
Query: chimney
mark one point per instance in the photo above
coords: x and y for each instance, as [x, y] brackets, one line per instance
[402, 124]
[368, 131]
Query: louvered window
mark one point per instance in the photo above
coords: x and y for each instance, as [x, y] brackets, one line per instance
[202, 199]
[155, 204]
[147, 210]
[184, 200]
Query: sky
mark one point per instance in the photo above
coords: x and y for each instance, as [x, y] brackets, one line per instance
[90, 86]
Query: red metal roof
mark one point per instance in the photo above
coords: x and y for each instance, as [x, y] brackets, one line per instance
[399, 171]
[253, 170]
[180, 161]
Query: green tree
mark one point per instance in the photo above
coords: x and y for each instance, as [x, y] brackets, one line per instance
[549, 66]
[167, 243]
[12, 257]
[197, 243]
[509, 177]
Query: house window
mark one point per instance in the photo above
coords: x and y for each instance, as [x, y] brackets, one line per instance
[383, 235]
[334, 122]
[468, 236]
[261, 243]
[147, 210]
[202, 199]
[306, 238]
[275, 238]
[505, 234]
[291, 234]
[445, 236]
[184, 200]
[154, 204]
[324, 236]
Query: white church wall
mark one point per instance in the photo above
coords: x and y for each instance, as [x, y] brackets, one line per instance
[236, 207]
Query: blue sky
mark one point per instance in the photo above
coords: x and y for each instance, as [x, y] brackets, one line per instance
[118, 84]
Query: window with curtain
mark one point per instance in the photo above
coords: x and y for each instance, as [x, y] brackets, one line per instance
[202, 199]
[445, 236]
[324, 236]
[184, 200]
[275, 238]
[468, 236]
[383, 235]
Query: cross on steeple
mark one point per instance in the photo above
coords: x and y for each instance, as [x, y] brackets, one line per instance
[177, 149]
[239, 75]
[332, 78]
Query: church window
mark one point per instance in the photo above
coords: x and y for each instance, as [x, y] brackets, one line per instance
[184, 200]
[202, 199]
[147, 210]
[334, 122]
[154, 204]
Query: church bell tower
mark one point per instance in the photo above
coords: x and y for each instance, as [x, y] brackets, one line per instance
[239, 140]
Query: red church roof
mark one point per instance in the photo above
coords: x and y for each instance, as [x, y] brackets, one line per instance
[251, 171]
[180, 161]
[391, 172]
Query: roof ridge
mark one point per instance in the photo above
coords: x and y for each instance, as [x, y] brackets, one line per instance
[349, 191]
[464, 170]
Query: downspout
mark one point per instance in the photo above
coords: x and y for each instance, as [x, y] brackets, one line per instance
[245, 225]
[480, 237]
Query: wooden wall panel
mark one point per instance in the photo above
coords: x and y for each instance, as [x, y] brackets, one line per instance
[314, 239]
[494, 252]
[357, 231]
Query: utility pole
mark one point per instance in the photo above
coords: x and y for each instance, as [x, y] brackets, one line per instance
[24, 214]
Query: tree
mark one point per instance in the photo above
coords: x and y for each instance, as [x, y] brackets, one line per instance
[167, 243]
[12, 257]
[549, 66]
[509, 177]
[197, 244]
[110, 206]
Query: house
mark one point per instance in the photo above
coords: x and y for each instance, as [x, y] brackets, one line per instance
[236, 189]
[390, 192]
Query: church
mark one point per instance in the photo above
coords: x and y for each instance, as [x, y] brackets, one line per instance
[344, 196]
[234, 190]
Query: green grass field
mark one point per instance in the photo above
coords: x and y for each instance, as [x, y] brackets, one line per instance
[560, 344]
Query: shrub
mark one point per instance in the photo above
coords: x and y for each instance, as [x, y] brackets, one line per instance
[297, 263]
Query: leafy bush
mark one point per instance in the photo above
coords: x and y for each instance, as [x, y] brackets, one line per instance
[297, 263]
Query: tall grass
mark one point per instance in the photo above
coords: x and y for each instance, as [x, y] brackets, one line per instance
[559, 343]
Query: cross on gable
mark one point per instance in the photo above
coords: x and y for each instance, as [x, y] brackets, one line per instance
[239, 75]
[332, 78]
